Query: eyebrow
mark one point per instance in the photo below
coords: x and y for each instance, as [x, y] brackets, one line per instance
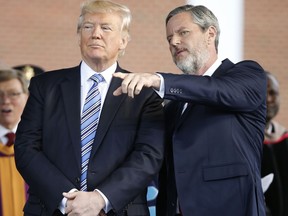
[179, 30]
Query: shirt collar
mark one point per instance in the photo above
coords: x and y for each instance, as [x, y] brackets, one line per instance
[213, 68]
[87, 72]
[4, 130]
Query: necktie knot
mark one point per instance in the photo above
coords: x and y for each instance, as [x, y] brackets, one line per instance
[97, 78]
[11, 138]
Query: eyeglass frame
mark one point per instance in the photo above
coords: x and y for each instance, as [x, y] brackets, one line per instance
[12, 95]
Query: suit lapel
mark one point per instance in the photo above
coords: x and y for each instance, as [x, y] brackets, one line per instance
[71, 97]
[225, 66]
[108, 112]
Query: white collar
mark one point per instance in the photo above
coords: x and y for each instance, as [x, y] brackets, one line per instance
[213, 68]
[4, 130]
[87, 72]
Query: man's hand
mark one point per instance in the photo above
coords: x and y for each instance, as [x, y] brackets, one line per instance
[84, 203]
[133, 83]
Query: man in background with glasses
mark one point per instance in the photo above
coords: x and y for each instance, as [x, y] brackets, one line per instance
[13, 97]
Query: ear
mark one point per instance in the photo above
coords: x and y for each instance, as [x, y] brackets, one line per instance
[211, 35]
[123, 42]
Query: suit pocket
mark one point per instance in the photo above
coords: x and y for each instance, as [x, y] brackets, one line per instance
[225, 171]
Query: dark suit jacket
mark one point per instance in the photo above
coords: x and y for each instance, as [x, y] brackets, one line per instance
[216, 144]
[127, 151]
[275, 161]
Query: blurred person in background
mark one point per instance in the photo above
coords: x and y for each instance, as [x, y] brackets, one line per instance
[29, 70]
[13, 97]
[275, 152]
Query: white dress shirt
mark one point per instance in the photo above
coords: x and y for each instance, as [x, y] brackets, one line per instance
[86, 83]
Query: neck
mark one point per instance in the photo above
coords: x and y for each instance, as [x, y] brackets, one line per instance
[208, 64]
[99, 65]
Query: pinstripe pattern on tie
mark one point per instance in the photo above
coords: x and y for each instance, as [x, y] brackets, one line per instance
[89, 123]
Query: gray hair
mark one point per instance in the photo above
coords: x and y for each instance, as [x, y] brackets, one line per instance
[201, 15]
[9, 74]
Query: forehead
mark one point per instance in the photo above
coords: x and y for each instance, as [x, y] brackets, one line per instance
[180, 21]
[103, 18]
[272, 83]
[10, 85]
[183, 18]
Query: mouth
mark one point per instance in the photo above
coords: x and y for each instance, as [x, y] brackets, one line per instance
[95, 46]
[6, 111]
[178, 52]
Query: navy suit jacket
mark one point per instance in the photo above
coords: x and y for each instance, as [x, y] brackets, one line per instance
[216, 144]
[126, 154]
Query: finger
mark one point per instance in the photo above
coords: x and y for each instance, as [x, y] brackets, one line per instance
[126, 83]
[136, 85]
[120, 75]
[118, 91]
[71, 195]
[138, 88]
[68, 209]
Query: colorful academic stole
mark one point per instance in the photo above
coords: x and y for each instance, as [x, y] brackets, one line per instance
[12, 185]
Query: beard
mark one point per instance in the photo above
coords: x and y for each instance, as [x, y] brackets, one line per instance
[194, 61]
[271, 112]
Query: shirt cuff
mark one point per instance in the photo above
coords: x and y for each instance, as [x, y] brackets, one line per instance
[162, 86]
[63, 202]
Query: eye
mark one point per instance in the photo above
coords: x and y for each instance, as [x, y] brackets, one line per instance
[184, 33]
[13, 94]
[106, 28]
[88, 27]
[273, 93]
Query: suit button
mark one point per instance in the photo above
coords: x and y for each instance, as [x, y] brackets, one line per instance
[77, 180]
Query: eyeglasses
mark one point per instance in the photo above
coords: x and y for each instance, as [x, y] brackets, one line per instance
[11, 95]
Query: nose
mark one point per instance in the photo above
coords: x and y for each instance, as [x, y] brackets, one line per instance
[272, 97]
[268, 97]
[174, 40]
[96, 33]
[4, 99]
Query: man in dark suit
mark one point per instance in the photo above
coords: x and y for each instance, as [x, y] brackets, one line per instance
[275, 151]
[128, 147]
[215, 122]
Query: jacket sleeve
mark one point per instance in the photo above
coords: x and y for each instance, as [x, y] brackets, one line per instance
[239, 88]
